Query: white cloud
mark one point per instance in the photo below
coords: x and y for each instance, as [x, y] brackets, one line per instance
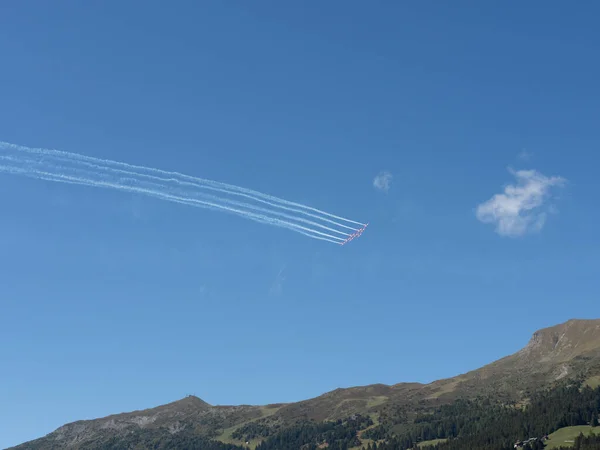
[522, 208]
[383, 181]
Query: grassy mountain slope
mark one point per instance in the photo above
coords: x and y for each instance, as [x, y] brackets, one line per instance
[567, 351]
[566, 436]
[571, 349]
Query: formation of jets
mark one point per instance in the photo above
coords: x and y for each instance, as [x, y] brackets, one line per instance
[355, 235]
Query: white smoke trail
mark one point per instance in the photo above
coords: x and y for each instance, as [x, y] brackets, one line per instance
[218, 189]
[199, 182]
[73, 168]
[164, 196]
[108, 173]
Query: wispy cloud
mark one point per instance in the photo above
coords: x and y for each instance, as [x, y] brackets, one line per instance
[523, 207]
[383, 181]
[525, 155]
[277, 286]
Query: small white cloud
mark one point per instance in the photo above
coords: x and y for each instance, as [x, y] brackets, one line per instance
[383, 181]
[522, 208]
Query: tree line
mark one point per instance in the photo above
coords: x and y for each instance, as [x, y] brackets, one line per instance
[484, 425]
[336, 435]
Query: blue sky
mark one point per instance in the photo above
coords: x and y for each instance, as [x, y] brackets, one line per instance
[113, 302]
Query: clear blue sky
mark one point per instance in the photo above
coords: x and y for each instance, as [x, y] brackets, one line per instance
[112, 302]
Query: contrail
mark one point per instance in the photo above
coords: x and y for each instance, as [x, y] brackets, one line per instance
[200, 185]
[73, 168]
[164, 196]
[229, 188]
[107, 171]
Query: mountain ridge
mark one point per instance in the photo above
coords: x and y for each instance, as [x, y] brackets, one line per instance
[570, 350]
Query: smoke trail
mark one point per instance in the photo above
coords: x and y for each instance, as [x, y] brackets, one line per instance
[164, 196]
[107, 171]
[215, 189]
[59, 166]
[199, 182]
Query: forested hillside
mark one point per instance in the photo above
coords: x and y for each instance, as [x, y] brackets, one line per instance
[488, 425]
[481, 424]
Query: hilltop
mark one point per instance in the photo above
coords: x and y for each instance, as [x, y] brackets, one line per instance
[568, 352]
